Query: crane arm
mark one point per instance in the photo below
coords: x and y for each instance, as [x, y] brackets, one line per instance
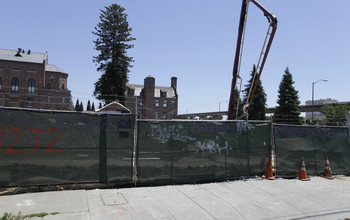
[272, 19]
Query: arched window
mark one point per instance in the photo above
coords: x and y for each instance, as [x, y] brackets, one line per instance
[14, 85]
[0, 83]
[31, 86]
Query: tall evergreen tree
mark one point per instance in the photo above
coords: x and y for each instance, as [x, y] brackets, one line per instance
[76, 108]
[88, 107]
[287, 111]
[81, 107]
[113, 37]
[257, 108]
[93, 107]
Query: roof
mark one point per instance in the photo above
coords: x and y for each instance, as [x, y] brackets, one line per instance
[53, 68]
[25, 57]
[114, 107]
[170, 92]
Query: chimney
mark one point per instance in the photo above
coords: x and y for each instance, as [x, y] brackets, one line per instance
[28, 52]
[19, 52]
[149, 86]
[173, 82]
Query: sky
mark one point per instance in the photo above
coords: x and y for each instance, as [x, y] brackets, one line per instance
[193, 40]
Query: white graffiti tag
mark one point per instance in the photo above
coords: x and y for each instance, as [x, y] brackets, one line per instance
[174, 132]
[212, 146]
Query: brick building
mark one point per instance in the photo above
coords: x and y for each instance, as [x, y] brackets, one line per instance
[153, 102]
[28, 81]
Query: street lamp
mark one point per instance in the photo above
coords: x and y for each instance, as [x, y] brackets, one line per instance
[220, 104]
[312, 102]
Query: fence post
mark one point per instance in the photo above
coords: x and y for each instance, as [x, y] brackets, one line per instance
[135, 150]
[171, 166]
[103, 149]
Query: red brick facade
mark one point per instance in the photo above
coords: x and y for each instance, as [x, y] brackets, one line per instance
[28, 81]
[153, 102]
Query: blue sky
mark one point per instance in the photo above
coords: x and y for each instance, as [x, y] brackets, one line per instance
[194, 40]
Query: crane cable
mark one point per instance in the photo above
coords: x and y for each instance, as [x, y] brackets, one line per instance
[240, 57]
[256, 70]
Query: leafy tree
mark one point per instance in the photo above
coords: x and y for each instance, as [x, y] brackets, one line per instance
[88, 107]
[315, 121]
[257, 109]
[76, 108]
[113, 35]
[93, 107]
[287, 111]
[335, 114]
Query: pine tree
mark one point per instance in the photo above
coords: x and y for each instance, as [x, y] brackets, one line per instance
[257, 108]
[76, 108]
[113, 35]
[81, 107]
[93, 107]
[88, 107]
[287, 111]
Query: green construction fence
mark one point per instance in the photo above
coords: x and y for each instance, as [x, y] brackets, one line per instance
[194, 151]
[52, 147]
[314, 144]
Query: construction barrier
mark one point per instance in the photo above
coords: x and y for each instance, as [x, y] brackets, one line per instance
[314, 144]
[41, 147]
[64, 147]
[191, 151]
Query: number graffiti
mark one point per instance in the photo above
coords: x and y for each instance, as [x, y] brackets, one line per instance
[37, 140]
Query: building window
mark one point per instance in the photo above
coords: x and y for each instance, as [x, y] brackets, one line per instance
[172, 115]
[15, 69]
[63, 100]
[48, 86]
[14, 85]
[31, 86]
[32, 70]
[52, 76]
[164, 115]
[156, 115]
[173, 104]
[29, 102]
[139, 102]
[14, 100]
[156, 103]
[162, 94]
[0, 83]
[62, 86]
[63, 76]
[165, 103]
[49, 99]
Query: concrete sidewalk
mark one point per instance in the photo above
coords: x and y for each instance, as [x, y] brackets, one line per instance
[252, 199]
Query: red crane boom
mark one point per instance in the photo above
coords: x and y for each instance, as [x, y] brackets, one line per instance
[272, 19]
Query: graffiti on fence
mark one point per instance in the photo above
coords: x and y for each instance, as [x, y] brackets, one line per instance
[217, 145]
[39, 132]
[244, 127]
[164, 133]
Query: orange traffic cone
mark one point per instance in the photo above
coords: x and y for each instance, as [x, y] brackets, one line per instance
[327, 172]
[269, 172]
[302, 173]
